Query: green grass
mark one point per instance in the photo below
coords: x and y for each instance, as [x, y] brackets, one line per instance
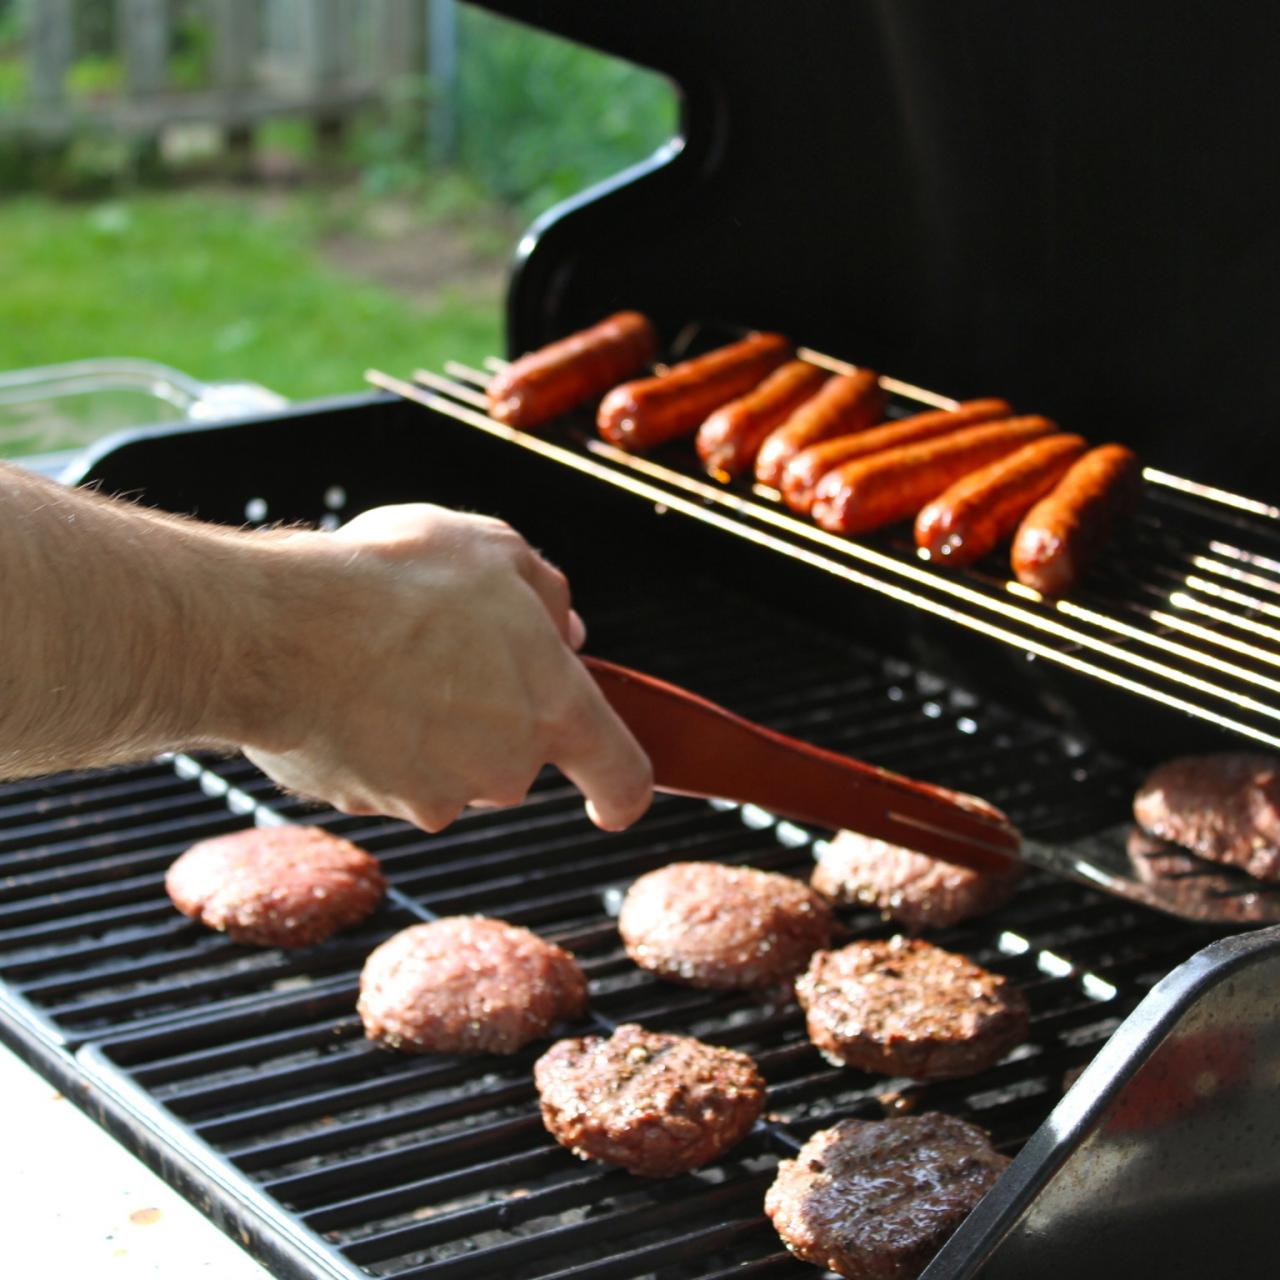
[217, 286]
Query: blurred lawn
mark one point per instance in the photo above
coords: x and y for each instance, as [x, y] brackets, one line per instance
[218, 286]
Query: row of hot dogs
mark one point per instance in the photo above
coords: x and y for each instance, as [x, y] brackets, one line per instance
[971, 476]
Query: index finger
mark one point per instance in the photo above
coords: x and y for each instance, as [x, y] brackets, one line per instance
[601, 757]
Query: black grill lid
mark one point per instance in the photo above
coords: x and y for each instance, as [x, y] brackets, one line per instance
[1073, 208]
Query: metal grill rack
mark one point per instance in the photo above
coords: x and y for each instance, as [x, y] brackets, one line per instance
[1184, 611]
[242, 1073]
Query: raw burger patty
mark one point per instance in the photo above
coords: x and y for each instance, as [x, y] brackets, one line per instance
[715, 926]
[912, 888]
[1223, 807]
[906, 1007]
[277, 886]
[467, 984]
[655, 1104]
[876, 1199]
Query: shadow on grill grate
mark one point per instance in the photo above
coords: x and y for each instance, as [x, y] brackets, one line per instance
[416, 1167]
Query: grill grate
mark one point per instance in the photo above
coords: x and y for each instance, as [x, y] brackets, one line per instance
[252, 1065]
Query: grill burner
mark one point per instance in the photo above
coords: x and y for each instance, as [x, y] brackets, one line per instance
[244, 1073]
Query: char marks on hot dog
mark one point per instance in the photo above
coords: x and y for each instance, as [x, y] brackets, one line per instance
[984, 507]
[730, 438]
[646, 413]
[870, 492]
[848, 402]
[554, 379]
[1063, 533]
[801, 474]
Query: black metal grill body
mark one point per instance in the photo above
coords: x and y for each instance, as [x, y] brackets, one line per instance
[241, 1074]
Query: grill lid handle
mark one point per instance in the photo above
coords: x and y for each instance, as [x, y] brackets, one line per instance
[699, 749]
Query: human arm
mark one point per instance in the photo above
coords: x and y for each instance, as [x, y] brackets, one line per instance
[411, 663]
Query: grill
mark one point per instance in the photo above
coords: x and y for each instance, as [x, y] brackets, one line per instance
[242, 1075]
[251, 1066]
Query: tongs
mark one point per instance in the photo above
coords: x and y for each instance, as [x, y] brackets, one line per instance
[698, 748]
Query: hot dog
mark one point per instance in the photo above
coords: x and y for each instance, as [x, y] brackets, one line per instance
[802, 473]
[649, 412]
[984, 507]
[729, 440]
[847, 403]
[554, 379]
[877, 490]
[1065, 531]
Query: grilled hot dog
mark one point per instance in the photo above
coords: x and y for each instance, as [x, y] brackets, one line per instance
[848, 402]
[1065, 531]
[984, 507]
[556, 378]
[877, 490]
[640, 415]
[729, 440]
[801, 475]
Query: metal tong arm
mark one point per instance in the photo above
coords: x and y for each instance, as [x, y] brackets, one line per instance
[699, 749]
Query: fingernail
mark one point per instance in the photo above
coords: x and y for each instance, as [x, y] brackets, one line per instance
[577, 630]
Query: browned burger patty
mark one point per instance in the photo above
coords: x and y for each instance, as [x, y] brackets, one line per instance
[876, 1199]
[917, 891]
[276, 886]
[655, 1104]
[906, 1007]
[467, 984]
[715, 926]
[1223, 807]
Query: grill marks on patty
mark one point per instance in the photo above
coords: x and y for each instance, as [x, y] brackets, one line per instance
[287, 886]
[906, 1007]
[876, 1199]
[655, 1104]
[716, 926]
[467, 984]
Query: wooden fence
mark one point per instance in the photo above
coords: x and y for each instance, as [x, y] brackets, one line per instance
[320, 59]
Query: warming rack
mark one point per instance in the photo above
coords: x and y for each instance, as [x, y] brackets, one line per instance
[1184, 611]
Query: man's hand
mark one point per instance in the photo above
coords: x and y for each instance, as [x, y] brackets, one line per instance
[443, 675]
[413, 663]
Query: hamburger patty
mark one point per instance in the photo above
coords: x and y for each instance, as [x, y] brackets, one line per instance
[276, 886]
[912, 888]
[1223, 807]
[653, 1103]
[709, 925]
[906, 1007]
[467, 984]
[876, 1199]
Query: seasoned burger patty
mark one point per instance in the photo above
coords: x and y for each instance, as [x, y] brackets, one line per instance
[276, 886]
[876, 1199]
[912, 888]
[715, 926]
[467, 985]
[906, 1007]
[1224, 807]
[655, 1104]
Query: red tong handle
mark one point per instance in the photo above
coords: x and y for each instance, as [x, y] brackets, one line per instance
[699, 749]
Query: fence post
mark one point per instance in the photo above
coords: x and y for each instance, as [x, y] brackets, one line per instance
[144, 35]
[442, 68]
[327, 35]
[400, 30]
[235, 47]
[50, 51]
